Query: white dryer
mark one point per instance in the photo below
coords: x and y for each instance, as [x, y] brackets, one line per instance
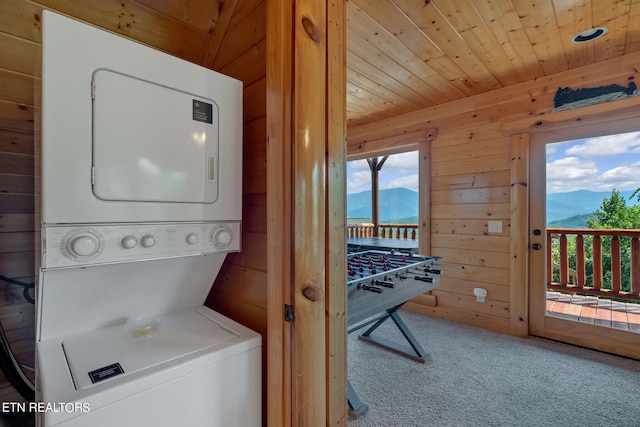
[141, 202]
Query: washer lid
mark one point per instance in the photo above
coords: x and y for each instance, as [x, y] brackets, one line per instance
[110, 353]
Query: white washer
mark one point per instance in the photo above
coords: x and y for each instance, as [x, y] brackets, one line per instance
[199, 369]
[141, 202]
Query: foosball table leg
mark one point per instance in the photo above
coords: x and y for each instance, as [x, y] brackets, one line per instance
[356, 406]
[415, 352]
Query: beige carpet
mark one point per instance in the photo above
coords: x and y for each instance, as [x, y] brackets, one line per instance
[475, 377]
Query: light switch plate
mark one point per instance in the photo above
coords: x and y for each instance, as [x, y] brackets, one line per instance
[495, 226]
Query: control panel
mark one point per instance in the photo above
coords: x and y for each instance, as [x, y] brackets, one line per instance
[83, 245]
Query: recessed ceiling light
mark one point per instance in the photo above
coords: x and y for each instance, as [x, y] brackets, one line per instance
[588, 35]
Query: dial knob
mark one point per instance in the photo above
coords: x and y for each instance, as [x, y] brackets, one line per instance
[83, 245]
[221, 237]
[192, 238]
[147, 240]
[129, 242]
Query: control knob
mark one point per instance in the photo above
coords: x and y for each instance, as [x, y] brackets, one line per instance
[147, 241]
[83, 245]
[129, 242]
[221, 237]
[192, 238]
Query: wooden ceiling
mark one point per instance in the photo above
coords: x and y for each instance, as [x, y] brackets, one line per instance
[404, 55]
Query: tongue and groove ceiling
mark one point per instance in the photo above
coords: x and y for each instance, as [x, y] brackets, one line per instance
[402, 55]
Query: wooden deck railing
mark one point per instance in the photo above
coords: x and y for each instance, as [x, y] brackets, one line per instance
[389, 231]
[594, 262]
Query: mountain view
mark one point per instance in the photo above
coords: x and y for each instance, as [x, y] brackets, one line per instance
[397, 205]
[400, 205]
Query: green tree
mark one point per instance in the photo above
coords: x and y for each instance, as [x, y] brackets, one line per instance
[615, 214]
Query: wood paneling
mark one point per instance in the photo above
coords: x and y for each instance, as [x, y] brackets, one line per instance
[201, 15]
[15, 141]
[242, 36]
[240, 291]
[16, 87]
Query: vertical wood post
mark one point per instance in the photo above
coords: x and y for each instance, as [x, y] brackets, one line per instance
[424, 196]
[616, 272]
[375, 164]
[375, 196]
[306, 116]
[580, 264]
[549, 259]
[635, 266]
[519, 248]
[279, 211]
[564, 260]
[336, 215]
[597, 262]
[309, 194]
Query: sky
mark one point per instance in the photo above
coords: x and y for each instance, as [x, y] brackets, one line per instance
[596, 164]
[400, 170]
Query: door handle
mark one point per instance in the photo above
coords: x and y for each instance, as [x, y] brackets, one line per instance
[536, 246]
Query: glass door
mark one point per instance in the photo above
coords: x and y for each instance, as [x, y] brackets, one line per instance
[576, 269]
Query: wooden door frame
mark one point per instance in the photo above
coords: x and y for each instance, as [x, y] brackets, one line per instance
[306, 245]
[585, 335]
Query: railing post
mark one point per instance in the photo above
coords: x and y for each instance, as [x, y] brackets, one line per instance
[621, 255]
[580, 264]
[597, 262]
[615, 264]
[549, 258]
[635, 266]
[564, 260]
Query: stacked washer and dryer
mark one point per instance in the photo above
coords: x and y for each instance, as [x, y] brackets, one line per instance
[141, 202]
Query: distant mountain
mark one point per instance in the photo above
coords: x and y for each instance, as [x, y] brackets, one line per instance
[576, 221]
[395, 204]
[404, 220]
[582, 202]
[401, 205]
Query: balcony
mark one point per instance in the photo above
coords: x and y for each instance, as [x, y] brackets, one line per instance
[593, 276]
[594, 262]
[399, 237]
[386, 231]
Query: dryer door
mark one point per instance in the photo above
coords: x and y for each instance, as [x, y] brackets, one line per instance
[152, 143]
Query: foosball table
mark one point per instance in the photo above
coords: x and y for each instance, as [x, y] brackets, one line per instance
[379, 283]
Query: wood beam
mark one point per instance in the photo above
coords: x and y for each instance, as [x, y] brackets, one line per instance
[305, 154]
[336, 217]
[519, 246]
[228, 7]
[279, 211]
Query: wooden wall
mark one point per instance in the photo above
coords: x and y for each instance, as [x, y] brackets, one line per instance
[227, 37]
[470, 184]
[240, 290]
